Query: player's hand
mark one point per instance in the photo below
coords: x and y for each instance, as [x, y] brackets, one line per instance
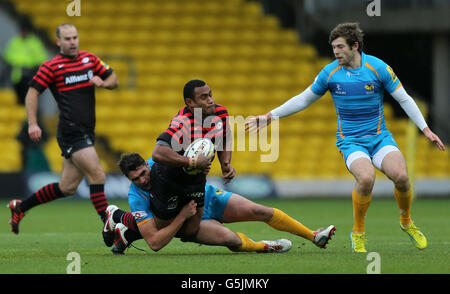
[189, 209]
[207, 170]
[256, 123]
[228, 172]
[35, 133]
[434, 138]
[203, 162]
[97, 81]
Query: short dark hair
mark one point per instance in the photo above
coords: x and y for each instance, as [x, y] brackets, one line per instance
[58, 29]
[351, 32]
[129, 162]
[189, 88]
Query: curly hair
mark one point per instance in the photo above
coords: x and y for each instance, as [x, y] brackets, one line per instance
[351, 32]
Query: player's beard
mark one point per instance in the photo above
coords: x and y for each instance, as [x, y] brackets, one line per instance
[71, 51]
[209, 110]
[349, 59]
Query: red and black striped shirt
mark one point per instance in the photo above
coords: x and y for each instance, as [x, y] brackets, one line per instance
[69, 81]
[186, 126]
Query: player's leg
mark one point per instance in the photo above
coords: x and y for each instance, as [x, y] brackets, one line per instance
[69, 181]
[364, 174]
[71, 177]
[240, 209]
[191, 225]
[392, 163]
[360, 166]
[211, 232]
[88, 162]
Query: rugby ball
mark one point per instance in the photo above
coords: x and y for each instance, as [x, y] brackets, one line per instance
[203, 145]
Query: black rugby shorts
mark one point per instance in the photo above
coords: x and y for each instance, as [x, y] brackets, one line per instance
[72, 138]
[167, 198]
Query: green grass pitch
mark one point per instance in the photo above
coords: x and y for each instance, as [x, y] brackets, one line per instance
[49, 232]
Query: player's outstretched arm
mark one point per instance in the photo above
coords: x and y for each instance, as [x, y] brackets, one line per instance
[256, 123]
[412, 110]
[434, 138]
[292, 106]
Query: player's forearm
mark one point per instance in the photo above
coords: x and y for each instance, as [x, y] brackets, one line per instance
[31, 105]
[161, 238]
[295, 104]
[224, 157]
[111, 82]
[410, 107]
[166, 155]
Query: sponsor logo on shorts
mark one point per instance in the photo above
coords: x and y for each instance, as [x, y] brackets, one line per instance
[172, 203]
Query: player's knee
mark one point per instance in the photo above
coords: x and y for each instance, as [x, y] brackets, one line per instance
[232, 241]
[260, 212]
[366, 182]
[97, 176]
[401, 179]
[69, 189]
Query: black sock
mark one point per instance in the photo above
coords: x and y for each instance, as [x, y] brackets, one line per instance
[132, 236]
[98, 199]
[45, 194]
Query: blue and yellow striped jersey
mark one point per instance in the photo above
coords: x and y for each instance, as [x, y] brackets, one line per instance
[357, 95]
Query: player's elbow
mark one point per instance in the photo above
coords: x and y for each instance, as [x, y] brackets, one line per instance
[157, 154]
[155, 246]
[113, 85]
[112, 82]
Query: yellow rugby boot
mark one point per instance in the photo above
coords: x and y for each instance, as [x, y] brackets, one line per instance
[358, 240]
[416, 236]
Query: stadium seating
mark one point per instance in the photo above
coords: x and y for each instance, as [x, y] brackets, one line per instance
[11, 118]
[250, 62]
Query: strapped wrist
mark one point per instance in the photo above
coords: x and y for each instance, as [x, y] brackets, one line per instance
[192, 162]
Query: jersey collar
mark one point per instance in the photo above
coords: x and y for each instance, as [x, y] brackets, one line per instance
[354, 70]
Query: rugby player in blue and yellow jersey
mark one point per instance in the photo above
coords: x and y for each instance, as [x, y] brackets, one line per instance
[356, 82]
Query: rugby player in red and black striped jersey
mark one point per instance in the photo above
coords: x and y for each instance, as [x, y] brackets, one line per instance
[171, 187]
[72, 76]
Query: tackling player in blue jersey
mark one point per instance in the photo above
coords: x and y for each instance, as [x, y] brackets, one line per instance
[219, 207]
[356, 82]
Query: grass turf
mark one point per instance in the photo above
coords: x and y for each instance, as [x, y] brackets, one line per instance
[49, 232]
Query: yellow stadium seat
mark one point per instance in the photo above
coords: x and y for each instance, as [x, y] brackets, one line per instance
[251, 63]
